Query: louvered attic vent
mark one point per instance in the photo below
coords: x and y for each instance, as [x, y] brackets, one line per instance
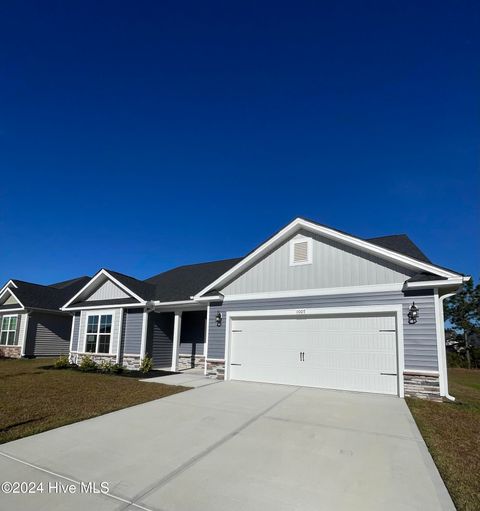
[301, 251]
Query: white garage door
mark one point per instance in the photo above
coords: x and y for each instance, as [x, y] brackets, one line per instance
[357, 352]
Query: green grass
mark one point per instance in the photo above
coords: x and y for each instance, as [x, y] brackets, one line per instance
[452, 433]
[34, 397]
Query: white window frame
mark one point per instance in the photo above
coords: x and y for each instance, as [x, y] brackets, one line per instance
[302, 239]
[99, 314]
[15, 343]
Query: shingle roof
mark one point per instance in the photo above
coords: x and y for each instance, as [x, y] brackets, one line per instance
[36, 296]
[141, 288]
[183, 282]
[402, 244]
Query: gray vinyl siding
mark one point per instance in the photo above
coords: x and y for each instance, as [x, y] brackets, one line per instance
[48, 335]
[333, 265]
[132, 331]
[76, 330]
[160, 338]
[420, 340]
[107, 291]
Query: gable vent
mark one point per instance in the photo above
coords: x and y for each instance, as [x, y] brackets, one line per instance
[301, 251]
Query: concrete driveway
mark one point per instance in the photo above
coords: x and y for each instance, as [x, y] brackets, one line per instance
[234, 446]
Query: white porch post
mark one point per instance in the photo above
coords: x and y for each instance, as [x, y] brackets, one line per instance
[177, 327]
[143, 347]
[119, 339]
[24, 340]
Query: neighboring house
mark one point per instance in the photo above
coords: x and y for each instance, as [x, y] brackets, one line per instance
[31, 324]
[311, 306]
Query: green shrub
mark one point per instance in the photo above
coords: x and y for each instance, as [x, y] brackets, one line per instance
[118, 368]
[62, 362]
[108, 367]
[87, 364]
[146, 364]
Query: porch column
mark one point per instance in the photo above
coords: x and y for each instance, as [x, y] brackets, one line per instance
[177, 327]
[143, 346]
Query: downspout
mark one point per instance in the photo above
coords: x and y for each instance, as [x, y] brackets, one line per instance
[442, 333]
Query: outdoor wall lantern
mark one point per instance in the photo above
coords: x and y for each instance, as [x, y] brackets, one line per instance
[412, 314]
[218, 319]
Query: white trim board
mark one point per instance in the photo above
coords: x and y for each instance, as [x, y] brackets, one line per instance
[374, 288]
[324, 311]
[437, 283]
[100, 307]
[7, 285]
[300, 223]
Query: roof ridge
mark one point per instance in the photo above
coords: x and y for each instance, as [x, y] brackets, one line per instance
[33, 283]
[123, 274]
[387, 236]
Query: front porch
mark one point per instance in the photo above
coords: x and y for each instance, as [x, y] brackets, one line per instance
[176, 339]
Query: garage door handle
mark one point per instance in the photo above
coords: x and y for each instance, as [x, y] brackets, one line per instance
[302, 356]
[388, 374]
[232, 364]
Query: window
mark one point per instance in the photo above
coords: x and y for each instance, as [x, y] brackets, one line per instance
[8, 330]
[300, 251]
[99, 332]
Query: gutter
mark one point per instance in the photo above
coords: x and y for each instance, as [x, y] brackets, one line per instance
[442, 318]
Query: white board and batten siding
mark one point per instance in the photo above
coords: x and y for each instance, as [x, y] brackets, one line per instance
[355, 352]
[107, 291]
[333, 265]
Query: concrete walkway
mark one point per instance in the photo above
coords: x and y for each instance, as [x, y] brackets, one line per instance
[235, 446]
[190, 378]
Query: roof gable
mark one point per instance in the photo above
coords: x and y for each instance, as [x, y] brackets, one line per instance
[8, 300]
[37, 296]
[109, 287]
[107, 290]
[331, 264]
[376, 247]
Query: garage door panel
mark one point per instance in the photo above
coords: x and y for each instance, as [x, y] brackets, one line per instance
[341, 352]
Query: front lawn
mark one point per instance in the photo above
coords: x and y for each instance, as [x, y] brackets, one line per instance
[34, 397]
[452, 434]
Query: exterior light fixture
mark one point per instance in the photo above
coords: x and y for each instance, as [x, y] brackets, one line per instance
[218, 319]
[412, 314]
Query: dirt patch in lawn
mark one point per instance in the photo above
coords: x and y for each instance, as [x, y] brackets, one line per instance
[35, 398]
[452, 434]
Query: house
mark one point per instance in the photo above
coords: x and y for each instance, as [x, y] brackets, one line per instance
[31, 324]
[310, 306]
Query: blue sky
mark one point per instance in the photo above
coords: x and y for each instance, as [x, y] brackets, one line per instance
[142, 135]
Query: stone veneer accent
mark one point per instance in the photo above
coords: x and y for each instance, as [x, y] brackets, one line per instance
[76, 358]
[10, 351]
[216, 369]
[129, 361]
[422, 386]
[189, 362]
